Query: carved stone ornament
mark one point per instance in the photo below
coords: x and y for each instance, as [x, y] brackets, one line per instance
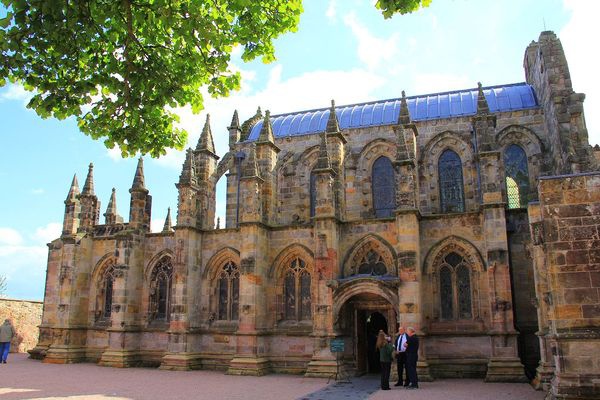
[66, 272]
[247, 265]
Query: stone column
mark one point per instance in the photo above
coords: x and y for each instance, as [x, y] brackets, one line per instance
[124, 332]
[65, 293]
[181, 354]
[570, 219]
[249, 358]
[545, 369]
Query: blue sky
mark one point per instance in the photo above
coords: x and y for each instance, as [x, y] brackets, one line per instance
[343, 50]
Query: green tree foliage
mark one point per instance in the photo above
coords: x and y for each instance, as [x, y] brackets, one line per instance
[390, 7]
[122, 66]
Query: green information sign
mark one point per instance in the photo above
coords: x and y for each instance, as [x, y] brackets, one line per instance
[337, 345]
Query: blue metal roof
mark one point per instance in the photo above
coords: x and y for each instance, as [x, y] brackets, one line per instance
[517, 96]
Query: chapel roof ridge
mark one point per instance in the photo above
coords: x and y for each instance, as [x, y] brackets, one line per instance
[399, 98]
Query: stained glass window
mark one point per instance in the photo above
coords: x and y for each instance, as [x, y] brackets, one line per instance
[517, 176]
[109, 280]
[446, 297]
[229, 292]
[160, 290]
[313, 194]
[451, 182]
[372, 264]
[455, 288]
[297, 296]
[383, 187]
[463, 283]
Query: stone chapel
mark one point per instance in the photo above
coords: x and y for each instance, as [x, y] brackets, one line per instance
[472, 215]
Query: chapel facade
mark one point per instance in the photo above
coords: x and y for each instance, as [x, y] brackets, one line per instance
[472, 215]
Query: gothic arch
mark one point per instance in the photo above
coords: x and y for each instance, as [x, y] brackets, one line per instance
[218, 260]
[430, 156]
[104, 262]
[226, 164]
[155, 259]
[372, 151]
[286, 255]
[453, 244]
[362, 286]
[533, 147]
[362, 247]
[523, 136]
[96, 301]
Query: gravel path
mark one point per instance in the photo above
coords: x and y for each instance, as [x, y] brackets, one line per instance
[23, 378]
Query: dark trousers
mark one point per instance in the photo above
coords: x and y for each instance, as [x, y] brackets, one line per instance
[4, 349]
[385, 374]
[411, 371]
[401, 362]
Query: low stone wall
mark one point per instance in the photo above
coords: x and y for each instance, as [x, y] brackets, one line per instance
[26, 316]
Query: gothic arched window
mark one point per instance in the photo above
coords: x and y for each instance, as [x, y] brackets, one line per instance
[455, 288]
[160, 290]
[106, 294]
[313, 193]
[229, 292]
[446, 293]
[451, 183]
[383, 187]
[517, 176]
[372, 264]
[297, 291]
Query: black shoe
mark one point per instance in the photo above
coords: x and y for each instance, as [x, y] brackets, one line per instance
[398, 384]
[412, 387]
[385, 388]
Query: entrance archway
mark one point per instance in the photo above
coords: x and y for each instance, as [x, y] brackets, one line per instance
[360, 319]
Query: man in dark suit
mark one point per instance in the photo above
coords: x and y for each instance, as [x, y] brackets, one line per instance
[401, 356]
[412, 355]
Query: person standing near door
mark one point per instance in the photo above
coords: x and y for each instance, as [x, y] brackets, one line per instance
[386, 351]
[401, 356]
[412, 355]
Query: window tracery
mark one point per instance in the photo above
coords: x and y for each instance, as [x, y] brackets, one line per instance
[297, 291]
[160, 290]
[451, 182]
[517, 176]
[383, 187]
[104, 311]
[229, 292]
[372, 264]
[455, 288]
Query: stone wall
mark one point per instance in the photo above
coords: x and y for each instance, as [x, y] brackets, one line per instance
[567, 227]
[26, 316]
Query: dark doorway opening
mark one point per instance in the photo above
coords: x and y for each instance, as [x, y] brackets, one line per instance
[374, 323]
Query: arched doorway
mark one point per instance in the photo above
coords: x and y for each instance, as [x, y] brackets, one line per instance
[375, 322]
[359, 320]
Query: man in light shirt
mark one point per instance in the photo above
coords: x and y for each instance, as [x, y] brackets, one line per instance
[400, 347]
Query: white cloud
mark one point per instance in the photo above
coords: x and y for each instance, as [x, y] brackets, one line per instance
[374, 52]
[114, 154]
[15, 92]
[46, 234]
[10, 237]
[38, 191]
[331, 12]
[582, 59]
[23, 265]
[157, 224]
